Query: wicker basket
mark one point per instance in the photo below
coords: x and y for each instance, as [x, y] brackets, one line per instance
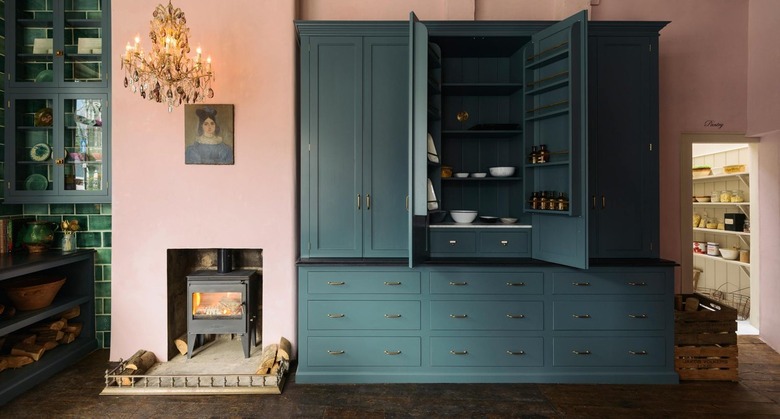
[34, 293]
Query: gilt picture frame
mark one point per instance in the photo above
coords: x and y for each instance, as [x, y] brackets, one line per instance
[209, 134]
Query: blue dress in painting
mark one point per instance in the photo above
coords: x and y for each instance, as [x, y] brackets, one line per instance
[205, 153]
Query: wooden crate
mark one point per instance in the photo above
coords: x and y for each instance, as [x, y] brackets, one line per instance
[706, 341]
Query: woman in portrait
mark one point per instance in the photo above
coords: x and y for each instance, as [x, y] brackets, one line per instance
[209, 146]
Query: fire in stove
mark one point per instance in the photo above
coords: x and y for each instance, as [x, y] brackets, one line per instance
[217, 305]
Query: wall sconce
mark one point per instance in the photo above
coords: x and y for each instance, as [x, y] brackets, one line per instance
[167, 74]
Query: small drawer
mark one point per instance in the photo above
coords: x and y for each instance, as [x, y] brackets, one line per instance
[608, 315]
[608, 351]
[487, 315]
[363, 351]
[453, 242]
[517, 243]
[363, 315]
[487, 351]
[514, 283]
[363, 282]
[578, 283]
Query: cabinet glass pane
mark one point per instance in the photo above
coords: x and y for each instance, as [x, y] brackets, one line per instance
[34, 41]
[34, 143]
[83, 40]
[83, 140]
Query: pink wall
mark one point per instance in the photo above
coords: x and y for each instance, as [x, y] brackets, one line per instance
[161, 203]
[763, 110]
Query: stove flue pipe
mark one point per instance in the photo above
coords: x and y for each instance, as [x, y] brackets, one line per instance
[224, 260]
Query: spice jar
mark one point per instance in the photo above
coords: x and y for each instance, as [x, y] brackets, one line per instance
[535, 200]
[744, 256]
[544, 154]
[446, 171]
[534, 156]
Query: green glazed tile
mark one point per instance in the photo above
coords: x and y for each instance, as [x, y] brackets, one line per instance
[86, 5]
[102, 289]
[103, 256]
[103, 323]
[99, 306]
[36, 209]
[107, 305]
[63, 209]
[88, 240]
[107, 272]
[105, 209]
[99, 222]
[98, 273]
[87, 208]
[107, 239]
[49, 218]
[106, 339]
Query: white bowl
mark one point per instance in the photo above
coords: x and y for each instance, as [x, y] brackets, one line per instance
[730, 254]
[502, 171]
[463, 216]
[461, 174]
[508, 220]
[480, 174]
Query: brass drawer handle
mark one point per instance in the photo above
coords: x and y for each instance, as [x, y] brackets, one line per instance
[392, 352]
[392, 316]
[392, 283]
[581, 284]
[515, 352]
[516, 316]
[459, 284]
[504, 242]
[637, 352]
[335, 316]
[638, 316]
[638, 284]
[336, 352]
[581, 352]
[453, 242]
[459, 316]
[515, 284]
[581, 316]
[459, 352]
[336, 283]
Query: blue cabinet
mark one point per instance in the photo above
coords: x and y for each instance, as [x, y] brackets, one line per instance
[57, 137]
[353, 150]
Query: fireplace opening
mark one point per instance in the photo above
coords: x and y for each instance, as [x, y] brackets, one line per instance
[214, 292]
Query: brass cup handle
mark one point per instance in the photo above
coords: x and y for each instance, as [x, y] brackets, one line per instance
[515, 352]
[392, 352]
[335, 315]
[336, 352]
[581, 352]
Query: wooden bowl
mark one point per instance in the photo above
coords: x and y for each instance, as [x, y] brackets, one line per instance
[34, 292]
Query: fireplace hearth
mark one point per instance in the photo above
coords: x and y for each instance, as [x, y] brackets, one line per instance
[222, 303]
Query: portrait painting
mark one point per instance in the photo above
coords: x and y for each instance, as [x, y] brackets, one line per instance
[208, 134]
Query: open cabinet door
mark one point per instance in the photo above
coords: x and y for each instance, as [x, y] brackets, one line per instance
[555, 115]
[418, 130]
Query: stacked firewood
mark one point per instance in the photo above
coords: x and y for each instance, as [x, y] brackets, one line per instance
[137, 364]
[29, 344]
[273, 356]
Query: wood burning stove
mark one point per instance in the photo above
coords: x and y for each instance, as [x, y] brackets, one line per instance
[222, 303]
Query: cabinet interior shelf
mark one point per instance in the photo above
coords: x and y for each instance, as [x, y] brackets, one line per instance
[23, 319]
[481, 89]
[720, 177]
[35, 23]
[549, 59]
[543, 165]
[716, 231]
[549, 114]
[479, 179]
[480, 133]
[733, 262]
[547, 87]
[83, 23]
[719, 204]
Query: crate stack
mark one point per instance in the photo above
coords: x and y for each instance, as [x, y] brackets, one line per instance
[705, 339]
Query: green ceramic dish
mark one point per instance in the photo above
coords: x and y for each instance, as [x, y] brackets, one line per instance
[40, 152]
[36, 182]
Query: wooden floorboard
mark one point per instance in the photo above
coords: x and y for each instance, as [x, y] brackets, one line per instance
[74, 393]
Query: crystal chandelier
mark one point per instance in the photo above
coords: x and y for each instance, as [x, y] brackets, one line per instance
[167, 74]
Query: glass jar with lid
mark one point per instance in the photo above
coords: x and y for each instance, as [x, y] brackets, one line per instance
[736, 196]
[715, 196]
[725, 196]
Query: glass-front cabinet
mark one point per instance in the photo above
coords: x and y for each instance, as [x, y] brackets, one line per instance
[57, 43]
[56, 148]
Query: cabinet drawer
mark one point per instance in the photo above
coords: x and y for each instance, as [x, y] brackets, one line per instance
[369, 282]
[453, 242]
[608, 315]
[608, 351]
[608, 283]
[530, 283]
[363, 351]
[487, 315]
[372, 315]
[515, 242]
[487, 351]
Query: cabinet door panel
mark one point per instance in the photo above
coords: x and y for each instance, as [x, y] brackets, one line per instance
[335, 156]
[386, 154]
[624, 146]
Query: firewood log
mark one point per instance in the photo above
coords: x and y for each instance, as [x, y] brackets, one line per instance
[74, 328]
[141, 361]
[267, 359]
[285, 347]
[127, 378]
[49, 344]
[68, 338]
[51, 325]
[181, 344]
[71, 313]
[30, 350]
[3, 364]
[47, 335]
[16, 361]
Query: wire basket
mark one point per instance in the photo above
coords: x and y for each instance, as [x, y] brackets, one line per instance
[733, 299]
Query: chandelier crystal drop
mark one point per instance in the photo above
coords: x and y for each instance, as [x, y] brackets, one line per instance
[167, 74]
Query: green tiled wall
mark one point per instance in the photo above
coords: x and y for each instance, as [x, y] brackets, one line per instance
[94, 219]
